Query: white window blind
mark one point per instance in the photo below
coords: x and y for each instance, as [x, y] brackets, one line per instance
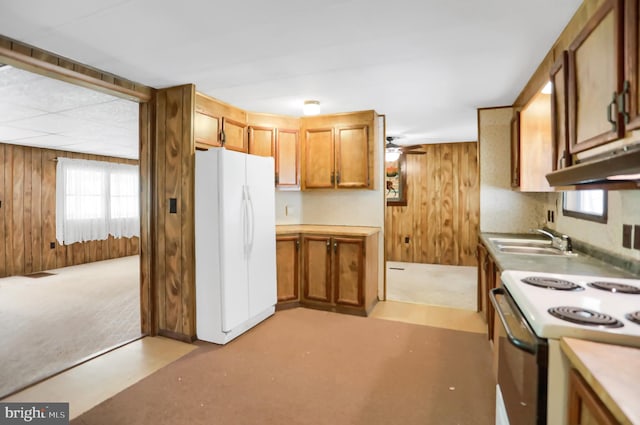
[95, 199]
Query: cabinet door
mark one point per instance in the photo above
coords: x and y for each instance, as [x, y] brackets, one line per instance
[317, 268]
[287, 159]
[287, 249]
[515, 150]
[262, 141]
[235, 135]
[632, 67]
[349, 271]
[585, 408]
[559, 107]
[352, 156]
[206, 129]
[595, 78]
[318, 162]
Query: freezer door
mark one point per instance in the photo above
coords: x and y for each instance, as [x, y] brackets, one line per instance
[233, 216]
[262, 234]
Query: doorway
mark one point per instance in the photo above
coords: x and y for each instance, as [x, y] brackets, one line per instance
[67, 303]
[430, 244]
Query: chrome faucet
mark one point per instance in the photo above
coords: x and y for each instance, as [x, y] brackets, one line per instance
[562, 243]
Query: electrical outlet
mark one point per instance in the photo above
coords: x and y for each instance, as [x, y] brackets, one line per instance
[52, 245]
[636, 236]
[406, 239]
[626, 235]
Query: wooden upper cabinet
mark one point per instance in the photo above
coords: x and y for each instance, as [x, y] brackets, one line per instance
[352, 156]
[234, 135]
[632, 65]
[287, 159]
[319, 160]
[515, 150]
[596, 79]
[559, 108]
[262, 141]
[536, 147]
[349, 271]
[206, 130]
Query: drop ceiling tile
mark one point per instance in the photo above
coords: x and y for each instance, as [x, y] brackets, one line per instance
[48, 123]
[9, 112]
[50, 141]
[8, 133]
[120, 112]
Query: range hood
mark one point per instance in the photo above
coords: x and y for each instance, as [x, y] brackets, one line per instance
[616, 166]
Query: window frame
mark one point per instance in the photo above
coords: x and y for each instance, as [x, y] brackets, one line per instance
[603, 218]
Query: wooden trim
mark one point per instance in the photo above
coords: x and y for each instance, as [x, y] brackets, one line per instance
[15, 53]
[515, 145]
[614, 6]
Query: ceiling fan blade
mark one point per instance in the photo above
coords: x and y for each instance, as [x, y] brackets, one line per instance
[414, 152]
[411, 147]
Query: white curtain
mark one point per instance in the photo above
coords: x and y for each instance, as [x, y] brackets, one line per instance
[95, 199]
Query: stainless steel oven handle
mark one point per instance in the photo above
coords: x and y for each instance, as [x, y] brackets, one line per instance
[523, 345]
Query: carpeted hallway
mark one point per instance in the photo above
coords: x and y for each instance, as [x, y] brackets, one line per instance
[311, 367]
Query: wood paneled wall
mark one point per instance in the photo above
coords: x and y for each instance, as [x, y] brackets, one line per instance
[443, 208]
[28, 215]
[173, 233]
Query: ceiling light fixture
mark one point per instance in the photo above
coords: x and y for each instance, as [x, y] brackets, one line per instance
[391, 155]
[311, 107]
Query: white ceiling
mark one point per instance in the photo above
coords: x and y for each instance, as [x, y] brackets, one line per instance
[427, 65]
[47, 113]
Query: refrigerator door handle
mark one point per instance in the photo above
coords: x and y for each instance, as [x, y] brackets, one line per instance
[245, 220]
[251, 223]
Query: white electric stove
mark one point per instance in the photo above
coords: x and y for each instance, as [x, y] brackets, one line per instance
[589, 307]
[535, 310]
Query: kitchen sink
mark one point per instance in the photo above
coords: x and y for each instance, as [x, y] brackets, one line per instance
[528, 247]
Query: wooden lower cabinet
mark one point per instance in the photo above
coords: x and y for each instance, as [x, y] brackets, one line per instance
[338, 273]
[488, 278]
[585, 407]
[288, 270]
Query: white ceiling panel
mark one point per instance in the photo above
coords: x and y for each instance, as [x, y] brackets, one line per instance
[427, 65]
[11, 134]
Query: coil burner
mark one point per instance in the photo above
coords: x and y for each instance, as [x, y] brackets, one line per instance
[583, 316]
[634, 317]
[615, 287]
[552, 283]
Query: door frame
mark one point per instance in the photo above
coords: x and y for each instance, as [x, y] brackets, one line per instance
[33, 59]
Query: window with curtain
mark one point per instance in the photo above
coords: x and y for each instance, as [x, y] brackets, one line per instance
[95, 199]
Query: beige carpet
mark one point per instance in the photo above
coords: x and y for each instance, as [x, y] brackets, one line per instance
[432, 284]
[50, 323]
[304, 366]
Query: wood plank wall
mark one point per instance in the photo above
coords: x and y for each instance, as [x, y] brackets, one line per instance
[173, 233]
[27, 215]
[443, 208]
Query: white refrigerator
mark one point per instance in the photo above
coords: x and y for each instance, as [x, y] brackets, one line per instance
[235, 243]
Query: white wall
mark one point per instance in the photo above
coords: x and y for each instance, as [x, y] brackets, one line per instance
[502, 209]
[623, 208]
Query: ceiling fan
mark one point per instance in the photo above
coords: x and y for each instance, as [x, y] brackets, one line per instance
[393, 151]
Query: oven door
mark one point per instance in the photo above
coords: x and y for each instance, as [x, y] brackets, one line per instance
[522, 364]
